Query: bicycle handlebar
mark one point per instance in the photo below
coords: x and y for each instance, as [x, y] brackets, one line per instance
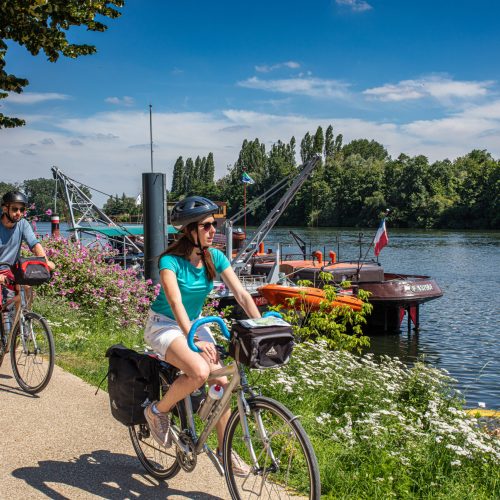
[204, 321]
[220, 322]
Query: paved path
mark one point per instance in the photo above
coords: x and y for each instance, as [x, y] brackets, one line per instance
[64, 444]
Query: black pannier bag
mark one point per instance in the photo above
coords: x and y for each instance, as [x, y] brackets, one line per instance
[261, 343]
[133, 383]
[31, 271]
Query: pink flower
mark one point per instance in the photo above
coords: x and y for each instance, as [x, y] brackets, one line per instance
[48, 212]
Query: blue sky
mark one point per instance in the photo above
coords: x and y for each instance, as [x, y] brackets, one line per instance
[421, 77]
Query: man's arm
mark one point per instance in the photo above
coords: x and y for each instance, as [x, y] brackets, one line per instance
[40, 252]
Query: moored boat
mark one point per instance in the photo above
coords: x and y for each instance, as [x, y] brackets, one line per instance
[392, 295]
[309, 296]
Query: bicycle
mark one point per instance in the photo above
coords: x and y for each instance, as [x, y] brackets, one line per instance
[29, 340]
[264, 433]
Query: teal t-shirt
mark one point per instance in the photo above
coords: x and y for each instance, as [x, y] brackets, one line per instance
[193, 283]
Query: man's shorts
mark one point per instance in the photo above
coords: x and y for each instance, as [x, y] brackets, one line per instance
[161, 331]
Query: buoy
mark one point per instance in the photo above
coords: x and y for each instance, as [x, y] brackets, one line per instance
[54, 225]
[333, 257]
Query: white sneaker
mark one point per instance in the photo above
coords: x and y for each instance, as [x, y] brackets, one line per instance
[159, 425]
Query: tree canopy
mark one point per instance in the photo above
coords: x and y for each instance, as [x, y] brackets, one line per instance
[43, 25]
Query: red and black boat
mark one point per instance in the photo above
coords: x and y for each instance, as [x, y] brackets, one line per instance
[392, 295]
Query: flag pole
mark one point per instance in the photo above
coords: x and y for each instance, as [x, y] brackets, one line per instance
[360, 263]
[387, 212]
[245, 206]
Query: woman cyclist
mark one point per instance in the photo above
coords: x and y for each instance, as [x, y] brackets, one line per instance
[187, 269]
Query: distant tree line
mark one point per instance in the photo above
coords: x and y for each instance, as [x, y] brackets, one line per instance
[356, 182]
[352, 186]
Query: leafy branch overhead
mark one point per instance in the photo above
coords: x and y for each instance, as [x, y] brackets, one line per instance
[43, 25]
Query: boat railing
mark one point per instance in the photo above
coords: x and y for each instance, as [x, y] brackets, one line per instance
[252, 282]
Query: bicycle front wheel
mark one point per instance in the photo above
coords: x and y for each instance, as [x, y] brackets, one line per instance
[160, 462]
[277, 451]
[32, 353]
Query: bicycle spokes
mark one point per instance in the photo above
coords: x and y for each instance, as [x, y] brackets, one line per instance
[32, 352]
[273, 443]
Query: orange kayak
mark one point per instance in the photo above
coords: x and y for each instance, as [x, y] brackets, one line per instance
[277, 295]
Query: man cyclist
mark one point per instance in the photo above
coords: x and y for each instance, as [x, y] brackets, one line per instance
[14, 229]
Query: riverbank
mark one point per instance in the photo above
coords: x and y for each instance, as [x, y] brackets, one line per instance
[379, 429]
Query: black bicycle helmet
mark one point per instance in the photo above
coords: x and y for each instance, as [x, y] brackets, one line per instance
[14, 197]
[192, 209]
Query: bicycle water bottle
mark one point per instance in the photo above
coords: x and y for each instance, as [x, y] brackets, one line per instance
[6, 321]
[215, 392]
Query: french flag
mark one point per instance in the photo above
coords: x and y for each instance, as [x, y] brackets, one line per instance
[381, 239]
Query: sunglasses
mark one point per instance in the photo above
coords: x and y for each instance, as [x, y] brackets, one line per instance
[17, 209]
[208, 225]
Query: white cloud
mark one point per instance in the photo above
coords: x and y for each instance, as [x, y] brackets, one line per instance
[35, 97]
[440, 88]
[265, 68]
[121, 101]
[312, 87]
[110, 162]
[355, 5]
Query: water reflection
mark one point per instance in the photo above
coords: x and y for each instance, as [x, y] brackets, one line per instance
[460, 331]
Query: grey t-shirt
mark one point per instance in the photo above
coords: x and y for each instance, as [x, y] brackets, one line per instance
[10, 240]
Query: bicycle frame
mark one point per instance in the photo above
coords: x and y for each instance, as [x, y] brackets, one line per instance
[21, 303]
[217, 411]
[237, 384]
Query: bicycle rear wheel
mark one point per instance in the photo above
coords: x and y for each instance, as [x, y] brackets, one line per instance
[284, 464]
[32, 352]
[159, 461]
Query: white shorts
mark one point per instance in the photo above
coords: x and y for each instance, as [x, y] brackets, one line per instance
[161, 331]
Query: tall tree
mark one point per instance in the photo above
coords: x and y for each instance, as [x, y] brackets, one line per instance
[43, 25]
[178, 184]
[318, 142]
[329, 142]
[338, 143]
[188, 176]
[306, 147]
[210, 170]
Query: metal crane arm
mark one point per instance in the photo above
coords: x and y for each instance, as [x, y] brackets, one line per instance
[245, 254]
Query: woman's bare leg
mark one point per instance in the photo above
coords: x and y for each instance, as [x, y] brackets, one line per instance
[195, 368]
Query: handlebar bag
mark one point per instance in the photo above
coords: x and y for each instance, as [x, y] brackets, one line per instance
[133, 383]
[31, 271]
[261, 343]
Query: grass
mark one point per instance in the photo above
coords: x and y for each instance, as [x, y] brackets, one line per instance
[379, 429]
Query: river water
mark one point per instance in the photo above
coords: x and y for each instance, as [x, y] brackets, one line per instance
[460, 331]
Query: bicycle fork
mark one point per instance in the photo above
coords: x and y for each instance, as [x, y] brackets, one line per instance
[244, 411]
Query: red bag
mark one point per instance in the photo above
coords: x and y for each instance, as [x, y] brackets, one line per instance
[31, 271]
